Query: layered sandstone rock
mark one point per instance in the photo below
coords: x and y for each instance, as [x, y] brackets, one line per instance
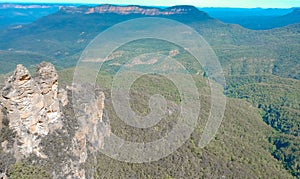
[125, 10]
[32, 105]
[89, 106]
[1, 117]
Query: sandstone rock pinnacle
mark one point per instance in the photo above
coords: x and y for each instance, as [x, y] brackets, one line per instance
[38, 113]
[32, 105]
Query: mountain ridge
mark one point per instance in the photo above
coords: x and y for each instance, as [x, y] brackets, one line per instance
[132, 9]
[248, 57]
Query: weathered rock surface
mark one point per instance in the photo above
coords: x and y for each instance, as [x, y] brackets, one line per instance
[131, 9]
[92, 127]
[40, 114]
[32, 106]
[1, 117]
[3, 176]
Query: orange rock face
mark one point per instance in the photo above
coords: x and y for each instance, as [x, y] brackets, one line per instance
[124, 10]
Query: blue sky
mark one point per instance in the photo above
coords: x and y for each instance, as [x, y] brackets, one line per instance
[198, 3]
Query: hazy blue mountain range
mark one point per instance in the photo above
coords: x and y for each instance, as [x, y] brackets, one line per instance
[254, 18]
[62, 36]
[261, 66]
[18, 14]
[257, 18]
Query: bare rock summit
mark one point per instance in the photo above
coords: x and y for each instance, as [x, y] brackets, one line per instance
[50, 128]
[32, 106]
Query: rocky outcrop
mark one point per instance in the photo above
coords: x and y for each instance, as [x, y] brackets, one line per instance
[125, 10]
[1, 117]
[43, 119]
[92, 128]
[3, 176]
[32, 106]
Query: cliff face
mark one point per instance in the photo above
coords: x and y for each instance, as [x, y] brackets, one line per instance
[1, 118]
[32, 106]
[35, 108]
[125, 10]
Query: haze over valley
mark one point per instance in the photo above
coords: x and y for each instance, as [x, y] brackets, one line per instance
[54, 127]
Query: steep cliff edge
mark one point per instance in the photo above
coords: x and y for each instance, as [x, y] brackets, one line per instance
[239, 150]
[133, 9]
[32, 107]
[40, 116]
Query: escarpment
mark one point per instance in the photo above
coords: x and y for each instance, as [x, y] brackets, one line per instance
[132, 9]
[41, 116]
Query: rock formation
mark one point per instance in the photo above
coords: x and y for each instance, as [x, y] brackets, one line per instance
[125, 10]
[32, 106]
[93, 128]
[35, 110]
[1, 117]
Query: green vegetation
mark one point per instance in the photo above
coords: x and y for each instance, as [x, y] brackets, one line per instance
[240, 148]
[232, 146]
[21, 170]
[278, 100]
[287, 150]
[261, 67]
